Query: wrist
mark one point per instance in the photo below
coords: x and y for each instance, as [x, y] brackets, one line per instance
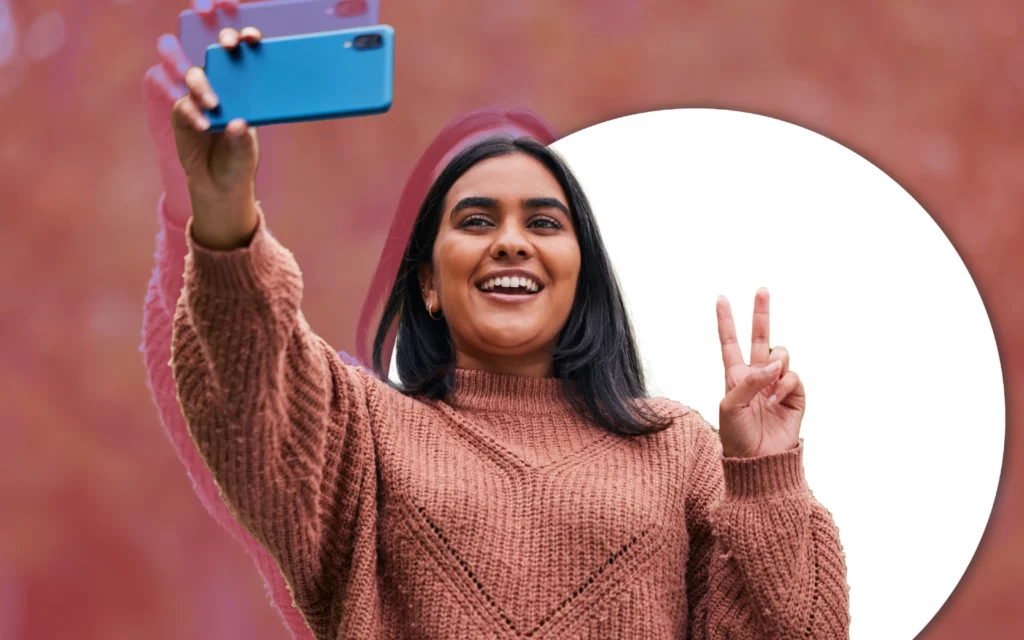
[224, 221]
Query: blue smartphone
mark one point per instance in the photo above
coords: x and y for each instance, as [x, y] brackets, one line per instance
[299, 78]
[274, 19]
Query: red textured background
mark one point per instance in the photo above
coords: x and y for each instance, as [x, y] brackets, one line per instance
[100, 533]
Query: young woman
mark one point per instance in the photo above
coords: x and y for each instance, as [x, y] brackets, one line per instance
[520, 483]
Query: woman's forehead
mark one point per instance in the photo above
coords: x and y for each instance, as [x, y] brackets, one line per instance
[511, 177]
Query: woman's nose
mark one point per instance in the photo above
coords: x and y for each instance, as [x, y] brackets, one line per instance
[511, 242]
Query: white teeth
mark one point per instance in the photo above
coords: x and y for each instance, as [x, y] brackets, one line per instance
[511, 283]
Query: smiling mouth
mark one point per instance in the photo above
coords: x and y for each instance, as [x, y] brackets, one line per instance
[514, 285]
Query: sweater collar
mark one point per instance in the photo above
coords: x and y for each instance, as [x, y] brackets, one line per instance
[480, 390]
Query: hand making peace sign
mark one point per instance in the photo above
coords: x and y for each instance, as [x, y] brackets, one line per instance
[764, 401]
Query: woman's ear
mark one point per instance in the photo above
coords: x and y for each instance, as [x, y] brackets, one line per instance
[426, 278]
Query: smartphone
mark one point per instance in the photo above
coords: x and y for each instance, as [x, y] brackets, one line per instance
[274, 18]
[314, 76]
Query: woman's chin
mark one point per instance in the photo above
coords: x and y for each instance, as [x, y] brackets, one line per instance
[511, 342]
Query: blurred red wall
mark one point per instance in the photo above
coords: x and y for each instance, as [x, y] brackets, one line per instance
[100, 533]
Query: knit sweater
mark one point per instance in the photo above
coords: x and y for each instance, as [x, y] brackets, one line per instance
[161, 297]
[498, 512]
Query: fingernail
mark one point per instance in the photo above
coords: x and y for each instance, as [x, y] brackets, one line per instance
[183, 69]
[204, 123]
[772, 400]
[773, 367]
[211, 101]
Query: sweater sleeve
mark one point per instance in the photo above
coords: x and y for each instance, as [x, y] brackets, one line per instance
[765, 558]
[158, 310]
[280, 421]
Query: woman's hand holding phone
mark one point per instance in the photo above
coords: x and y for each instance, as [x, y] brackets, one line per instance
[162, 85]
[220, 168]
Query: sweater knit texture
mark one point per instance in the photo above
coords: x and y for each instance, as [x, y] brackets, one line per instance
[161, 297]
[498, 512]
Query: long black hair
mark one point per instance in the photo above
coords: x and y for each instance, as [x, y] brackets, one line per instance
[595, 357]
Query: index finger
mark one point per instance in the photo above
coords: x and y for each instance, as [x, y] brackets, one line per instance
[731, 353]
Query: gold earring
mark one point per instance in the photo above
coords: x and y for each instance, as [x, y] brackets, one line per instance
[430, 312]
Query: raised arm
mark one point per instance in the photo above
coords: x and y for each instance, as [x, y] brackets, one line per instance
[162, 86]
[161, 299]
[281, 422]
[765, 558]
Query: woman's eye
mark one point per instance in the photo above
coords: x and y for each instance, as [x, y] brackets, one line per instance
[545, 223]
[474, 221]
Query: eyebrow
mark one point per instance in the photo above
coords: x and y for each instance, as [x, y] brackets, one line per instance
[475, 201]
[546, 203]
[528, 203]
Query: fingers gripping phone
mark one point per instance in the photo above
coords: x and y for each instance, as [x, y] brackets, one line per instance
[300, 78]
[274, 18]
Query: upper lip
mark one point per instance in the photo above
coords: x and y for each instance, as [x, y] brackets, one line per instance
[509, 273]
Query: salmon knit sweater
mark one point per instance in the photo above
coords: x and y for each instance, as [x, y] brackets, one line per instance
[497, 513]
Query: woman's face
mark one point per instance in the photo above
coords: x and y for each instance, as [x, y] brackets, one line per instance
[505, 263]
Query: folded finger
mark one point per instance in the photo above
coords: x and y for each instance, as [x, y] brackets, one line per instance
[786, 388]
[172, 56]
[187, 112]
[199, 86]
[781, 354]
[748, 388]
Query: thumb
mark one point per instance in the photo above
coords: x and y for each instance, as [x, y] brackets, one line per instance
[749, 387]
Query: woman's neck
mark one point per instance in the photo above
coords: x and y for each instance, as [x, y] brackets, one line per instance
[540, 365]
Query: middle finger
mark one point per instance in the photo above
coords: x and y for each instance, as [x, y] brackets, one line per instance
[759, 330]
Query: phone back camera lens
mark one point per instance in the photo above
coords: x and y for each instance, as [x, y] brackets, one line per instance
[368, 41]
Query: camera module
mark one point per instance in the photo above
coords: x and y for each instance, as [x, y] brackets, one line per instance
[368, 41]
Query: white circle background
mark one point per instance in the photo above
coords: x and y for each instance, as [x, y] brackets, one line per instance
[905, 422]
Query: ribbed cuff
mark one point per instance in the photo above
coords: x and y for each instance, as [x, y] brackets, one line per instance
[771, 476]
[236, 272]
